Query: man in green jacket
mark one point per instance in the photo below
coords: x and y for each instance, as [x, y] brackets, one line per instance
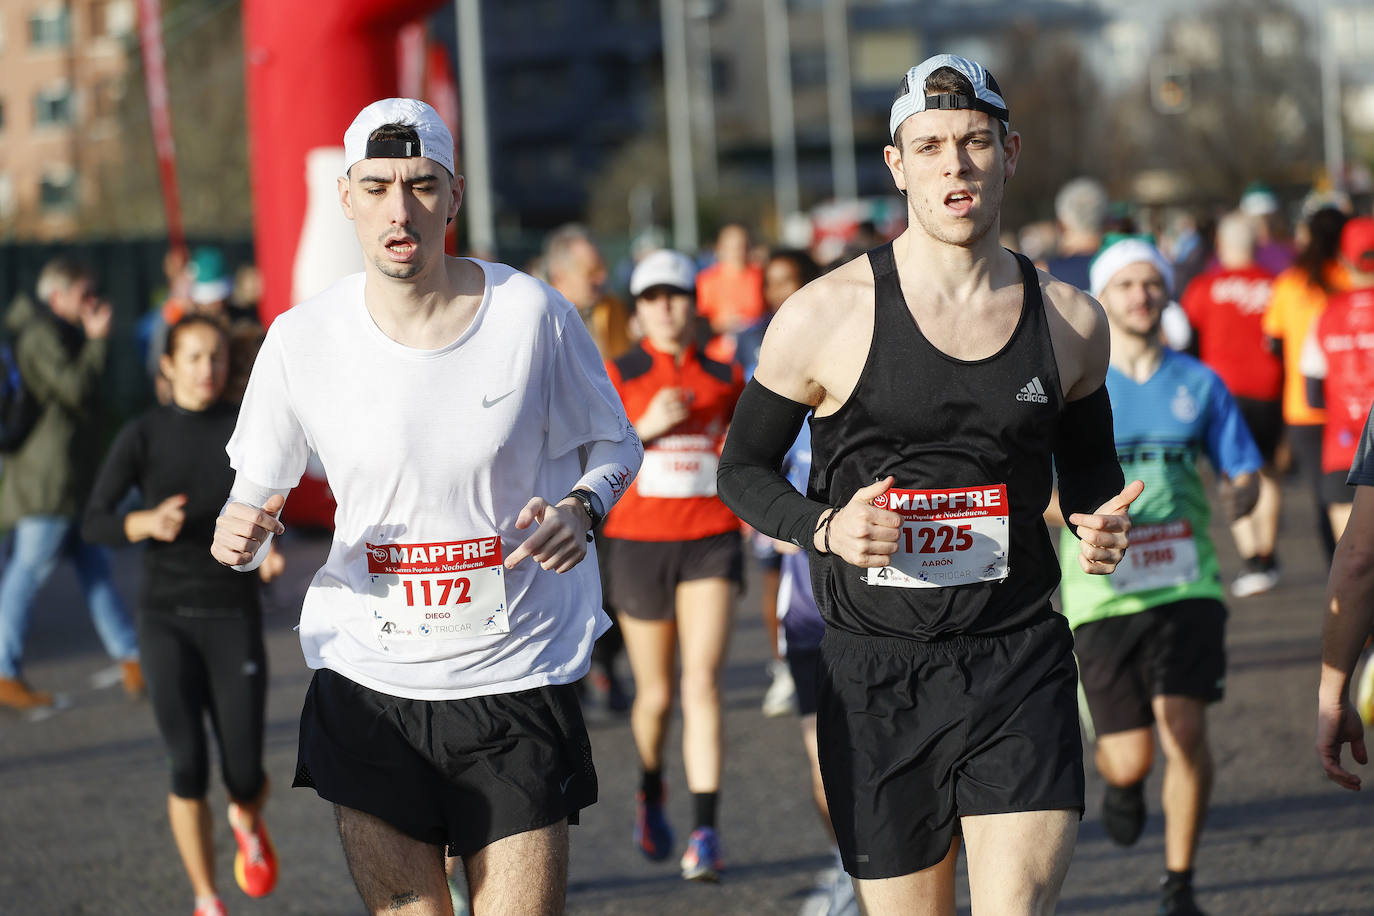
[60, 347]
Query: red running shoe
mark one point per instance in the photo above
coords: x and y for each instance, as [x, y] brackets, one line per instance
[255, 864]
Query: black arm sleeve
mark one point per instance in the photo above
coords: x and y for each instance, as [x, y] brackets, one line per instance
[1316, 392]
[118, 473]
[750, 479]
[1085, 455]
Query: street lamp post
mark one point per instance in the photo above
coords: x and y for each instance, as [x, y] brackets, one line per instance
[778, 53]
[843, 168]
[477, 198]
[676, 89]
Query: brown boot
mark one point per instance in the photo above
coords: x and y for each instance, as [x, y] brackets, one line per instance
[132, 675]
[15, 694]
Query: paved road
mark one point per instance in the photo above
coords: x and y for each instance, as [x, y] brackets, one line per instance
[82, 812]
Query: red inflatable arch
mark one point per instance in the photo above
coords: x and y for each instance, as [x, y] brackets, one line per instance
[310, 69]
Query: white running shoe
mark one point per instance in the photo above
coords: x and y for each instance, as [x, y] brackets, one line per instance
[1256, 579]
[781, 698]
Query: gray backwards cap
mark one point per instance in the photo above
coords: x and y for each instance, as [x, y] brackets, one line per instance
[912, 97]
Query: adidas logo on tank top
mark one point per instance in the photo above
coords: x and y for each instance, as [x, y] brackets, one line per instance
[1032, 391]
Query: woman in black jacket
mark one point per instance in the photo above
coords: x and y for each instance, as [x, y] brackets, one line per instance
[199, 623]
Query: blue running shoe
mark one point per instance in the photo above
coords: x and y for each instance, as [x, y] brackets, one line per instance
[701, 861]
[653, 833]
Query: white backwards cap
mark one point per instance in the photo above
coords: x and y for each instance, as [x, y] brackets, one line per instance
[435, 140]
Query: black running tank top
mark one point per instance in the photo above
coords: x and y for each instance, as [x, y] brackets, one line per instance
[937, 423]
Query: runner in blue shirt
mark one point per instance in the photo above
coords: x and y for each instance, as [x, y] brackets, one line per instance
[1150, 638]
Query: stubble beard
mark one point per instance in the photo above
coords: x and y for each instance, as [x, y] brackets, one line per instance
[397, 271]
[976, 227]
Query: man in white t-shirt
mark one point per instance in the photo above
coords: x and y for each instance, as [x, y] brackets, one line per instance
[452, 403]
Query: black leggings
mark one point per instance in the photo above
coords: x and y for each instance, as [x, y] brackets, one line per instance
[207, 661]
[1305, 444]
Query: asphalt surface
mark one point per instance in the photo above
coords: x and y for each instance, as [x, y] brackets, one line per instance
[82, 791]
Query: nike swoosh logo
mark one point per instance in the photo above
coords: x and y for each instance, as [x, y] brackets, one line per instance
[494, 401]
[564, 787]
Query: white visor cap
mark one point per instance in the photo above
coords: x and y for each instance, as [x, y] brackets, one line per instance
[435, 140]
[664, 267]
[987, 94]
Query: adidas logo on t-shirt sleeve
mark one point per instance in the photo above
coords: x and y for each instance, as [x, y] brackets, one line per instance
[1032, 391]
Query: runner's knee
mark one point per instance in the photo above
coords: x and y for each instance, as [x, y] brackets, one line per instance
[1183, 728]
[655, 698]
[700, 686]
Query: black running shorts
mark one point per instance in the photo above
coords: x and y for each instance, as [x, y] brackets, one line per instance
[804, 664]
[915, 735]
[643, 576]
[1175, 649]
[1265, 419]
[461, 773]
[1334, 489]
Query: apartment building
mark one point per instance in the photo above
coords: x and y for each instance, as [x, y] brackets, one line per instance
[61, 76]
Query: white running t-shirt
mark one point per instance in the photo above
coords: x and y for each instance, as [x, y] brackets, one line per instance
[431, 455]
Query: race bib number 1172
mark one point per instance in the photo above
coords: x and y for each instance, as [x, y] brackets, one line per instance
[438, 590]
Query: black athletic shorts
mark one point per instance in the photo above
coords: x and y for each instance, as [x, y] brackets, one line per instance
[1335, 490]
[1265, 419]
[461, 773]
[643, 576]
[915, 735]
[1124, 662]
[805, 665]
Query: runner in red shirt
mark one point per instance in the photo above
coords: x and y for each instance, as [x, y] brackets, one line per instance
[675, 560]
[730, 291]
[1338, 361]
[1226, 309]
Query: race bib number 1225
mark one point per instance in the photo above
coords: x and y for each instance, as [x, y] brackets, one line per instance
[948, 537]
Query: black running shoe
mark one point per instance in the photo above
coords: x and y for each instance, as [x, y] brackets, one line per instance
[1178, 901]
[1123, 813]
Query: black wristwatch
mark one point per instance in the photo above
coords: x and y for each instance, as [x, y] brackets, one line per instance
[591, 504]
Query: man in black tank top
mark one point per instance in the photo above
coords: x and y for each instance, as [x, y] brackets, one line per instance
[943, 374]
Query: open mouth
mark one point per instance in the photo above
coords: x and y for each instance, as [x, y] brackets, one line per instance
[401, 249]
[960, 202]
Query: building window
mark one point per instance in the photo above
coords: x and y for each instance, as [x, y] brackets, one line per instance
[722, 75]
[877, 56]
[808, 68]
[50, 28]
[57, 190]
[53, 107]
[105, 97]
[112, 18]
